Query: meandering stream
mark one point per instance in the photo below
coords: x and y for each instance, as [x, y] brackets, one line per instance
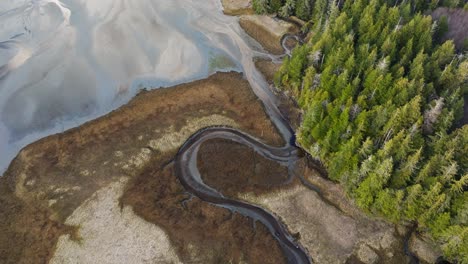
[187, 171]
[65, 62]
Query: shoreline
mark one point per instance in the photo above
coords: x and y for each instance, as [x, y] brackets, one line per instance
[60, 173]
[148, 162]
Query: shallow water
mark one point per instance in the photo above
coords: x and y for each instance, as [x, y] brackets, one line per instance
[66, 62]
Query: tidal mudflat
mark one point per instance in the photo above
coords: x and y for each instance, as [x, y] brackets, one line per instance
[63, 63]
[106, 187]
[115, 171]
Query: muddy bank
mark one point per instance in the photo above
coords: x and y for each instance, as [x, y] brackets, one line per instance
[54, 178]
[268, 68]
[327, 224]
[268, 31]
[202, 233]
[237, 7]
[287, 105]
[372, 239]
[265, 29]
[107, 191]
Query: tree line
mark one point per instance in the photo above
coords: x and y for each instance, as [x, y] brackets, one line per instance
[383, 103]
[314, 9]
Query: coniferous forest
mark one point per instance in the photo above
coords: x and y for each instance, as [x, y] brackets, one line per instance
[383, 99]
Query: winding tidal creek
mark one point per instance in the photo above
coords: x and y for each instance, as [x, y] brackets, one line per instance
[187, 171]
[63, 63]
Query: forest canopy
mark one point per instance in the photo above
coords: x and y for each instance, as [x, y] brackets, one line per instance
[383, 104]
[315, 9]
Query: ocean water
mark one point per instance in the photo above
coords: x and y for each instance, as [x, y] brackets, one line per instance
[65, 62]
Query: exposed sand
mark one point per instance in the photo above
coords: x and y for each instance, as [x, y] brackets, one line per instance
[174, 139]
[329, 233]
[106, 192]
[237, 7]
[332, 230]
[66, 187]
[111, 234]
[63, 63]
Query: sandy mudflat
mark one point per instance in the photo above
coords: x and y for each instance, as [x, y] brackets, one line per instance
[108, 186]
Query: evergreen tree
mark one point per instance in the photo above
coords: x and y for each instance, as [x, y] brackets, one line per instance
[382, 101]
[260, 6]
[303, 9]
